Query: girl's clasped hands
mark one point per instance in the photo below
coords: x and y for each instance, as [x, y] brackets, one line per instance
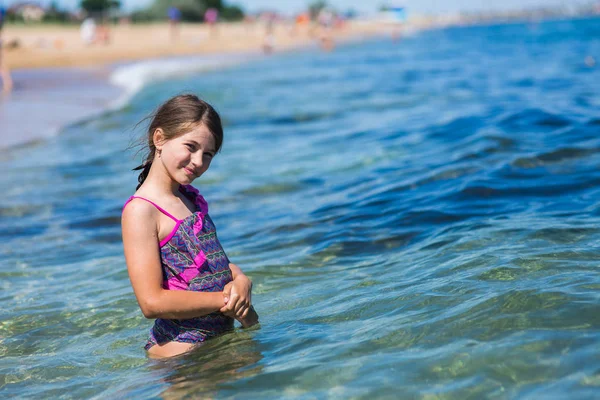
[237, 299]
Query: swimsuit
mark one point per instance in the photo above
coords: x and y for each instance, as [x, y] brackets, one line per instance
[192, 259]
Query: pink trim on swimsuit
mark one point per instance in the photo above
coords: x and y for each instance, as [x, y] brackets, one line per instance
[162, 210]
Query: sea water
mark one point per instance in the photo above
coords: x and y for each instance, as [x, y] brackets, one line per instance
[420, 219]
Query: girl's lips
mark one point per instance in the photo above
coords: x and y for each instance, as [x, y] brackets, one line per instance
[189, 171]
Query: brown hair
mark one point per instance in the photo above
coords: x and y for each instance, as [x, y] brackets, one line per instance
[176, 117]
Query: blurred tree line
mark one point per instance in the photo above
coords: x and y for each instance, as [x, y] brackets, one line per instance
[53, 14]
[316, 7]
[99, 6]
[191, 10]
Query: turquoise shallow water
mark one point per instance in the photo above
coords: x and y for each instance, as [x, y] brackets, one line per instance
[420, 220]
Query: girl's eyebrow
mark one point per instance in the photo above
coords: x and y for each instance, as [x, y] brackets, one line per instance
[192, 141]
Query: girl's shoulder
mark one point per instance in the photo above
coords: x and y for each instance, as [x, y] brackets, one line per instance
[139, 207]
[139, 222]
[144, 204]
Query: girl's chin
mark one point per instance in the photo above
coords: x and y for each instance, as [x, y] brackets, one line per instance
[186, 180]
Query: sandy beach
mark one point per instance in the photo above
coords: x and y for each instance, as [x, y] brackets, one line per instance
[62, 46]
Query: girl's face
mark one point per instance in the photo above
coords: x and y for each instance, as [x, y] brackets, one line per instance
[188, 156]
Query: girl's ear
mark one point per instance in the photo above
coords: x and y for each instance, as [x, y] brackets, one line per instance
[158, 138]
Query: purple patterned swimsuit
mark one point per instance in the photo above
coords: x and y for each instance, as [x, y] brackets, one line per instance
[192, 259]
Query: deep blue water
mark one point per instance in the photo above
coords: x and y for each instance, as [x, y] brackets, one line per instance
[420, 220]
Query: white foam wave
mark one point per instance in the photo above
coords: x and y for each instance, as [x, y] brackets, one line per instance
[133, 77]
[45, 101]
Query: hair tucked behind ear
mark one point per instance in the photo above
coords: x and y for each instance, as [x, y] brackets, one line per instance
[175, 117]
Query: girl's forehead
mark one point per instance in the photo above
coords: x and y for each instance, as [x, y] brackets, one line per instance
[200, 134]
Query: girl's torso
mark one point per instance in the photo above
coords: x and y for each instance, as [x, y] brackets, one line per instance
[191, 259]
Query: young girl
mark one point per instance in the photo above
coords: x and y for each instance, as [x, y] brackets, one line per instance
[179, 272]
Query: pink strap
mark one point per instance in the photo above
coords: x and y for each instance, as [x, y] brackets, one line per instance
[155, 205]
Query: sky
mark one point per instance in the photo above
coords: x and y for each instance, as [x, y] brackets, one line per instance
[364, 6]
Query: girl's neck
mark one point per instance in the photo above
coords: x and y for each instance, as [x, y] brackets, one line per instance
[158, 181]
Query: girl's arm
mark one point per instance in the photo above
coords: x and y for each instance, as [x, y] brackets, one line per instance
[235, 271]
[142, 253]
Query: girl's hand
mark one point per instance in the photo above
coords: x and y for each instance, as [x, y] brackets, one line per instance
[237, 296]
[226, 296]
[226, 293]
[250, 319]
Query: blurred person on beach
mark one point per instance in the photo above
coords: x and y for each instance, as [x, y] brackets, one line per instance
[103, 32]
[395, 15]
[179, 271]
[269, 38]
[325, 20]
[7, 82]
[301, 21]
[211, 16]
[174, 16]
[87, 31]
[93, 33]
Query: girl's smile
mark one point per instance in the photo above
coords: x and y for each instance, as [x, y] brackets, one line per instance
[189, 171]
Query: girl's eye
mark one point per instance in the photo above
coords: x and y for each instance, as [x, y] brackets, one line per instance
[209, 155]
[190, 146]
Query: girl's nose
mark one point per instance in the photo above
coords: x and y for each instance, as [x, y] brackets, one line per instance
[198, 159]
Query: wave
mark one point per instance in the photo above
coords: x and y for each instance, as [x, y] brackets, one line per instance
[134, 77]
[56, 98]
